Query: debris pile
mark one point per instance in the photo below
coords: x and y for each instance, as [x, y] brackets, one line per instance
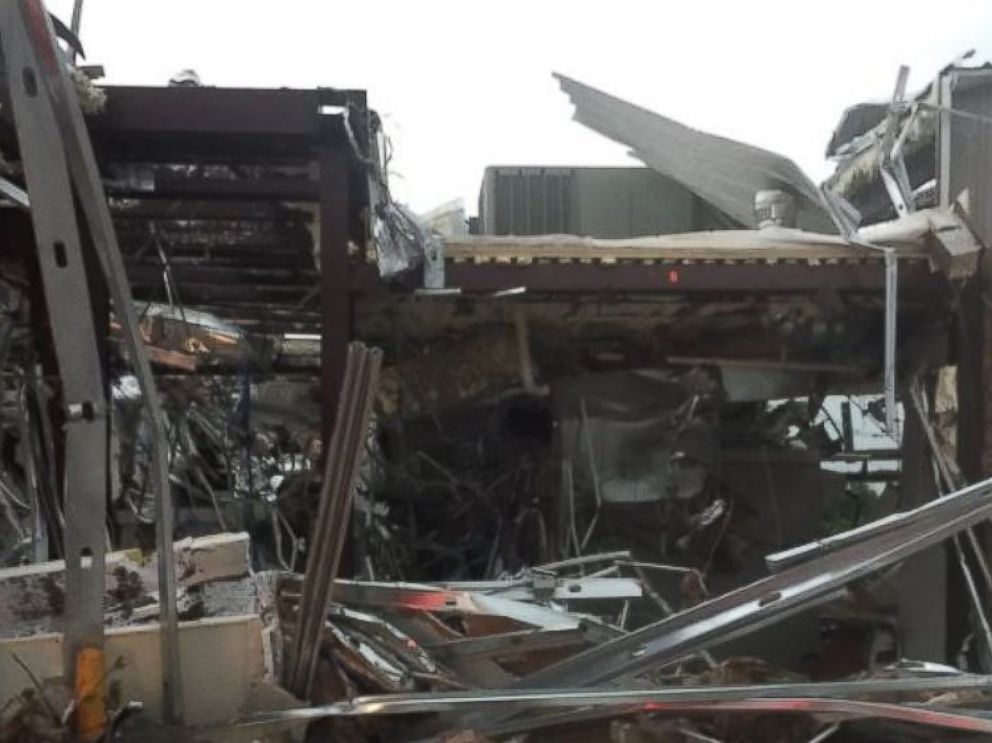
[479, 654]
[278, 462]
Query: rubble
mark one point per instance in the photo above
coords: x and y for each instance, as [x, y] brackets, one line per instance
[277, 461]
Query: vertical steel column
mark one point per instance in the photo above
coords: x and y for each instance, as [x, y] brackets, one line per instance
[922, 614]
[335, 301]
[970, 320]
[53, 212]
[56, 101]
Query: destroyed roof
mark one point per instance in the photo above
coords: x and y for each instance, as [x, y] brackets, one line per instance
[856, 145]
[856, 121]
[861, 125]
[937, 235]
[770, 244]
[724, 172]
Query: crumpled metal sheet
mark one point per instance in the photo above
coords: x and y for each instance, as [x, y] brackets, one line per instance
[638, 430]
[399, 240]
[724, 172]
[819, 698]
[867, 549]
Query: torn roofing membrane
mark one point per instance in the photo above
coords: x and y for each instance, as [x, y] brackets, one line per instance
[722, 171]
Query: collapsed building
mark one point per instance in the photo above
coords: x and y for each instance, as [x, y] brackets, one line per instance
[675, 452]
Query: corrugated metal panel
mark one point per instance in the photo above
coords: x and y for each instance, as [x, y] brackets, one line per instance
[526, 201]
[724, 172]
[588, 201]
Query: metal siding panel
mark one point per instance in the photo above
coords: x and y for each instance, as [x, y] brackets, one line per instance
[971, 154]
[725, 172]
[965, 159]
[597, 202]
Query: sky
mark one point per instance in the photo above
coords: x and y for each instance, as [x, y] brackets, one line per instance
[463, 85]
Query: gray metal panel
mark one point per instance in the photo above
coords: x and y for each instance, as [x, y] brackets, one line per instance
[590, 201]
[964, 163]
[970, 146]
[630, 202]
[526, 201]
[922, 614]
[724, 172]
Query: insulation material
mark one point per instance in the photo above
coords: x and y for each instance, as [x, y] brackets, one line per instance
[482, 365]
[633, 436]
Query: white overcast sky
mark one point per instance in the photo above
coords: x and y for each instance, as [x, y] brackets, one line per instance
[463, 85]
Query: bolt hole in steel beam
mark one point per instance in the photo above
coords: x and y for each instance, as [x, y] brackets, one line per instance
[81, 411]
[61, 258]
[30, 82]
[769, 598]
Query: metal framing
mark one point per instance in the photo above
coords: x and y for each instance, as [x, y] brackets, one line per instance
[246, 127]
[343, 454]
[760, 603]
[70, 310]
[335, 300]
[696, 278]
[92, 202]
[836, 698]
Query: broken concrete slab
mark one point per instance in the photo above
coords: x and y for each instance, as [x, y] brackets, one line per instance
[32, 596]
[222, 660]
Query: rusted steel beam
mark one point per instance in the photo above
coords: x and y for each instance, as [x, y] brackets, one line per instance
[700, 277]
[175, 187]
[228, 111]
[344, 452]
[335, 299]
